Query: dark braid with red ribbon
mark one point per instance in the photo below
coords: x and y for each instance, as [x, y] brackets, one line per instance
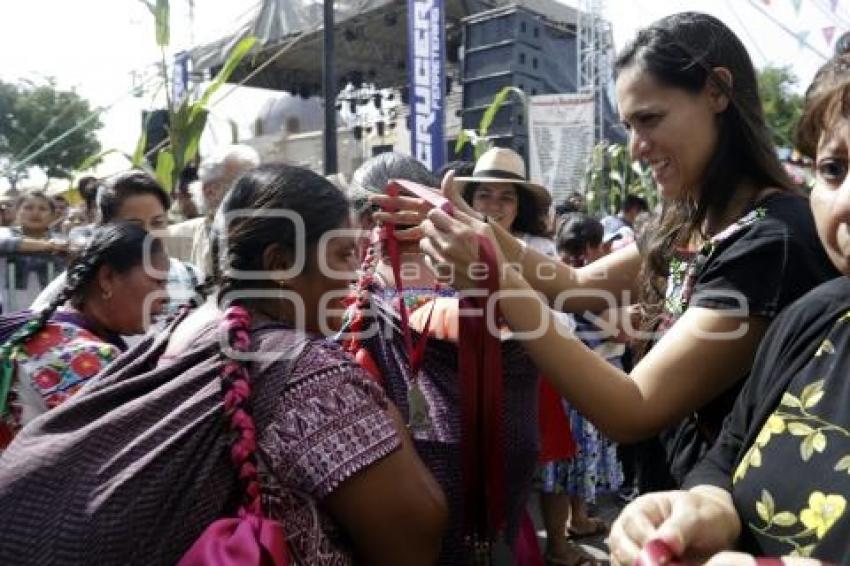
[236, 384]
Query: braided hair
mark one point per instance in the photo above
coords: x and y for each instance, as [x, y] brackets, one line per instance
[121, 246]
[244, 227]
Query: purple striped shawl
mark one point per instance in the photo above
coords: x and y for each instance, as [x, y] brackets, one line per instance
[132, 469]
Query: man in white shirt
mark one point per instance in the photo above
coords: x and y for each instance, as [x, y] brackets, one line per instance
[189, 240]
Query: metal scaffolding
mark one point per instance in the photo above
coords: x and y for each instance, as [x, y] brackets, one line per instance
[594, 58]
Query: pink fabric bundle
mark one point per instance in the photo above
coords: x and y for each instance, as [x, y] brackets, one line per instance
[249, 539]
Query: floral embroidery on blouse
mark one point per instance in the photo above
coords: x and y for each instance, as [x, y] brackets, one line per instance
[686, 266]
[51, 367]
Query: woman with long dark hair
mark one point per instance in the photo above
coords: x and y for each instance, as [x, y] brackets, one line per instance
[776, 481]
[733, 247]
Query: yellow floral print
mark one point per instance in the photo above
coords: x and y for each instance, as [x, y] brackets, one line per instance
[822, 512]
[773, 425]
[809, 526]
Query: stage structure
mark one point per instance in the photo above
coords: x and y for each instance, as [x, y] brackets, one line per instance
[485, 48]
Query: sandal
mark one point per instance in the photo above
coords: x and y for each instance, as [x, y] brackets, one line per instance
[577, 557]
[598, 527]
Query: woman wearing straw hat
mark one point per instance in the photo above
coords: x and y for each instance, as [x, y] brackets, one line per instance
[500, 189]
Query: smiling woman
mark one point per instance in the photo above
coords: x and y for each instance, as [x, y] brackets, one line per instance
[776, 482]
[734, 246]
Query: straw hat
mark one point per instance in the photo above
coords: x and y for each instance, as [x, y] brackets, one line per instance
[502, 165]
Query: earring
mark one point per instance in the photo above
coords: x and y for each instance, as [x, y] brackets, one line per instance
[106, 295]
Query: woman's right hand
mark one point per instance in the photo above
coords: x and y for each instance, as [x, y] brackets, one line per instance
[412, 211]
[695, 524]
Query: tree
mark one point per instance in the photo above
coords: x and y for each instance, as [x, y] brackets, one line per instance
[782, 106]
[44, 127]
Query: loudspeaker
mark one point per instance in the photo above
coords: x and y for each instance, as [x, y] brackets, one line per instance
[513, 46]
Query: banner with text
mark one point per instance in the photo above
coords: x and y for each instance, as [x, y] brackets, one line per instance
[561, 132]
[426, 56]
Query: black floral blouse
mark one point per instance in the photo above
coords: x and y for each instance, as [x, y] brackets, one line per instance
[784, 454]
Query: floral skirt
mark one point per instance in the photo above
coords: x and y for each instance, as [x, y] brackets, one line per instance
[594, 470]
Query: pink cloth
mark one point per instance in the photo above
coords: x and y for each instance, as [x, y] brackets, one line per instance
[244, 541]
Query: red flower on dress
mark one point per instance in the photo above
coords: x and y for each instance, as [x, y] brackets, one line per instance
[48, 337]
[56, 399]
[85, 364]
[47, 378]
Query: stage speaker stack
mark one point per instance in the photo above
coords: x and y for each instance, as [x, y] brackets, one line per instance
[513, 46]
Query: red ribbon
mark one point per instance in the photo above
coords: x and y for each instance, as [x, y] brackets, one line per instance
[481, 380]
[658, 553]
[482, 403]
[415, 352]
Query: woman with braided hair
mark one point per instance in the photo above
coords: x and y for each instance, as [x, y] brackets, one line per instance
[47, 356]
[237, 408]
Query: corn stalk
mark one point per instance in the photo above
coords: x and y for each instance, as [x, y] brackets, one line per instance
[479, 140]
[186, 119]
[611, 175]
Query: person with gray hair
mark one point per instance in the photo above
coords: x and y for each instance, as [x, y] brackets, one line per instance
[373, 176]
[189, 240]
[430, 399]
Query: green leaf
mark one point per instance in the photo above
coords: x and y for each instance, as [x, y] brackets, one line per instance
[789, 400]
[139, 153]
[236, 55]
[462, 140]
[93, 160]
[616, 176]
[162, 17]
[481, 146]
[810, 391]
[800, 429]
[785, 519]
[843, 464]
[193, 136]
[165, 169]
[493, 109]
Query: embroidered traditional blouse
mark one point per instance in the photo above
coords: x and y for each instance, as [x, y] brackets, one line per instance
[49, 368]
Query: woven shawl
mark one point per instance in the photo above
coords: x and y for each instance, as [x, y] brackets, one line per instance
[132, 469]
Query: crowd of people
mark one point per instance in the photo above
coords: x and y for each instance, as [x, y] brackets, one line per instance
[286, 372]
